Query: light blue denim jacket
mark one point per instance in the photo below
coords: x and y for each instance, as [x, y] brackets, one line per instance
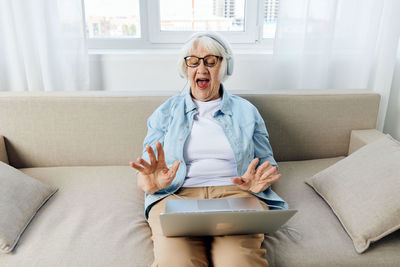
[244, 127]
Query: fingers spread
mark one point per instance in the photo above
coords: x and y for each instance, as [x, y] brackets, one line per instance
[152, 156]
[160, 152]
[268, 173]
[135, 166]
[261, 169]
[274, 178]
[253, 165]
[145, 164]
[271, 180]
[174, 169]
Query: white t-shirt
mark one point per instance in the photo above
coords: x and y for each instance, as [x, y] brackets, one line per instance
[208, 155]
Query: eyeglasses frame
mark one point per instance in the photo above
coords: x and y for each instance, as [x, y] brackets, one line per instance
[202, 58]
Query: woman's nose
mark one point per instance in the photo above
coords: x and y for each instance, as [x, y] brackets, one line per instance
[202, 68]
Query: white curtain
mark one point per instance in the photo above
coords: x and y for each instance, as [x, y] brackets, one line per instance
[42, 46]
[337, 44]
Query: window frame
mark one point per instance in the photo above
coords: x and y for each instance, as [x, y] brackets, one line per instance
[153, 38]
[249, 35]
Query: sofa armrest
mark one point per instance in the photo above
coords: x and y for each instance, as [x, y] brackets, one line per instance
[3, 151]
[360, 138]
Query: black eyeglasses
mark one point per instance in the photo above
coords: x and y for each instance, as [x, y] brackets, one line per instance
[209, 61]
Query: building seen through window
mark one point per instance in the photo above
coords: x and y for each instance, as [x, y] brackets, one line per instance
[271, 10]
[112, 18]
[202, 15]
[121, 18]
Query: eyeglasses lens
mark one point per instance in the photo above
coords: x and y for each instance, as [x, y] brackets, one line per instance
[192, 61]
[210, 61]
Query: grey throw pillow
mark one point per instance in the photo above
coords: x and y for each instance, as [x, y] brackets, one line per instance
[363, 191]
[20, 198]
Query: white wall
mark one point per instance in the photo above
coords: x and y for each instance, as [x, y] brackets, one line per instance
[155, 73]
[392, 120]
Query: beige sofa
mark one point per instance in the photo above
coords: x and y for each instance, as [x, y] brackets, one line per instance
[82, 143]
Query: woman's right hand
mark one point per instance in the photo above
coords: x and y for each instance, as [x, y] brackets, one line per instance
[155, 175]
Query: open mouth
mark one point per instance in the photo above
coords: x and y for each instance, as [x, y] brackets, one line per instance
[202, 82]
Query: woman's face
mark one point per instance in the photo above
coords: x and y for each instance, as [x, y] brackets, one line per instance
[204, 81]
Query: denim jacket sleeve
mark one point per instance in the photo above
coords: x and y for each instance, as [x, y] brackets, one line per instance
[262, 147]
[263, 151]
[157, 127]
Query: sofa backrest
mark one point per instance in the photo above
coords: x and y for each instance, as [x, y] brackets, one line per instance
[98, 128]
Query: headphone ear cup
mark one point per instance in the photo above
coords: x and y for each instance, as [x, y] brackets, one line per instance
[229, 65]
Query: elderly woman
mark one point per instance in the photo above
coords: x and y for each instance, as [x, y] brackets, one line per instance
[209, 144]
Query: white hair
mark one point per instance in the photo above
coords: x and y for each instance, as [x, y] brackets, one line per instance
[211, 45]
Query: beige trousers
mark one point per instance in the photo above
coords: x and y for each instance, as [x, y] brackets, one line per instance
[217, 251]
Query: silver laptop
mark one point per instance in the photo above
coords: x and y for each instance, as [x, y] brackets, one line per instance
[222, 216]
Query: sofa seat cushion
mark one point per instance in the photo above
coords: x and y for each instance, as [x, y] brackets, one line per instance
[325, 242]
[95, 219]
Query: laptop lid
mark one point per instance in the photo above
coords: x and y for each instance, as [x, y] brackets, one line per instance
[183, 221]
[217, 204]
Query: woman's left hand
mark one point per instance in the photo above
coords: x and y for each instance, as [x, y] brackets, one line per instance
[258, 179]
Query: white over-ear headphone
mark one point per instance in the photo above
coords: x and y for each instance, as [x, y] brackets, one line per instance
[223, 43]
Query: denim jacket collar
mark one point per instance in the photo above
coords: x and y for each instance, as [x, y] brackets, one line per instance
[225, 107]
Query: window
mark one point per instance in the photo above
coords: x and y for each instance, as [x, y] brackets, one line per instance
[176, 20]
[271, 10]
[112, 18]
[215, 15]
[168, 23]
